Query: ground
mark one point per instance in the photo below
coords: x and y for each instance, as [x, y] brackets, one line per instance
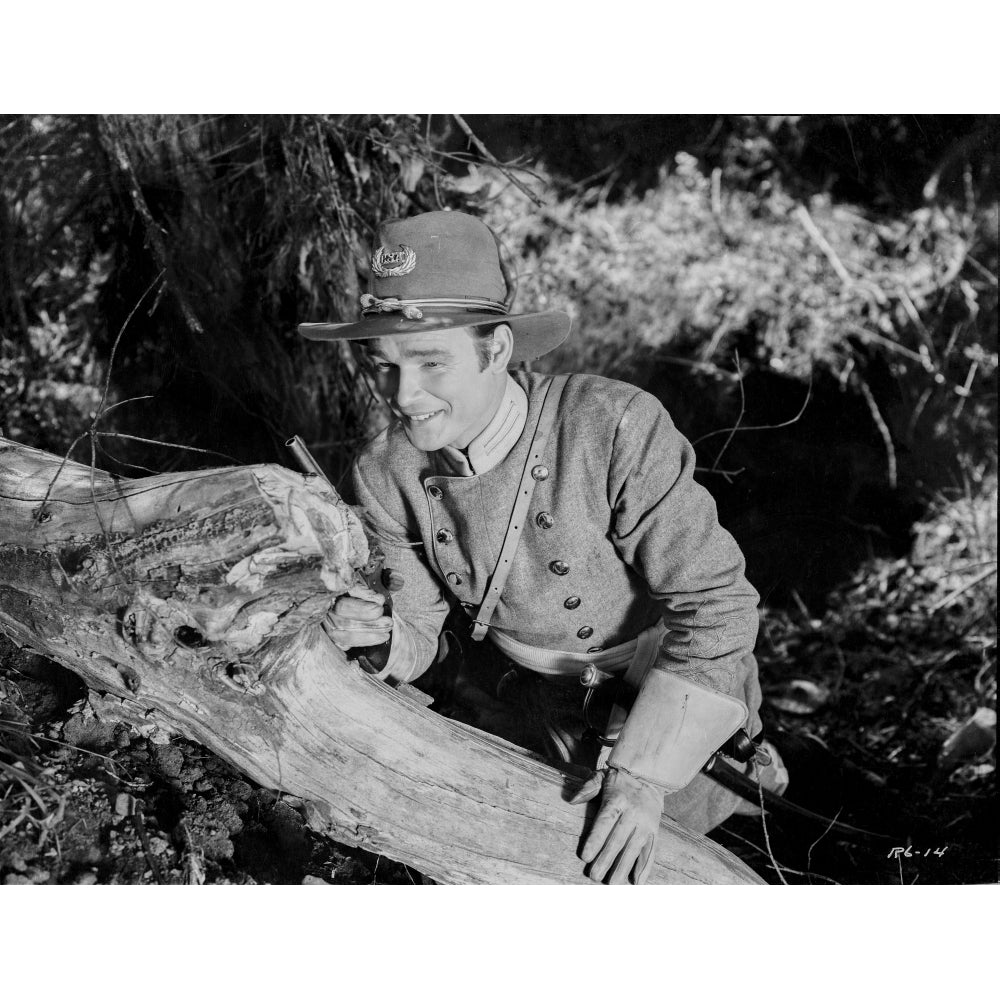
[884, 707]
[88, 803]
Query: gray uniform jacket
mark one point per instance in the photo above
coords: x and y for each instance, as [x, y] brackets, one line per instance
[630, 537]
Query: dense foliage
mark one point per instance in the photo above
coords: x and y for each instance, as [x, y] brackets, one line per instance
[694, 274]
[190, 246]
[891, 163]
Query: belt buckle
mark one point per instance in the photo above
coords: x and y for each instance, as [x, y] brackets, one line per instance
[592, 677]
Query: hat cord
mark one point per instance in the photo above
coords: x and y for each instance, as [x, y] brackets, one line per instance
[410, 308]
[371, 303]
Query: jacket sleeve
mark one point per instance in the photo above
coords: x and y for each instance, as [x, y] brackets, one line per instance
[418, 608]
[665, 526]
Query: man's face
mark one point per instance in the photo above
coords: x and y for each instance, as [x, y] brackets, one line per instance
[433, 383]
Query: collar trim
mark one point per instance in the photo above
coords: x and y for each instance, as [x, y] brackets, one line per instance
[497, 439]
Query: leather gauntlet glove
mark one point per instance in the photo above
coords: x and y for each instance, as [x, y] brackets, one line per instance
[622, 840]
[358, 619]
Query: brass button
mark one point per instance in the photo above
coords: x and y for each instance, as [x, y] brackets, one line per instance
[586, 632]
[545, 520]
[454, 579]
[572, 603]
[435, 492]
[444, 536]
[559, 567]
[540, 473]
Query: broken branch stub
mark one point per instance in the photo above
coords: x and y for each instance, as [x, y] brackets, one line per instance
[194, 600]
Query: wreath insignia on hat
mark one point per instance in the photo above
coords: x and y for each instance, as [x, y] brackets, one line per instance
[393, 263]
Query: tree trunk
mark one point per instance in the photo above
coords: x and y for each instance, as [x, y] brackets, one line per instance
[194, 600]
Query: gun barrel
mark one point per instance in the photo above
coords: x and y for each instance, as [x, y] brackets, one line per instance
[307, 463]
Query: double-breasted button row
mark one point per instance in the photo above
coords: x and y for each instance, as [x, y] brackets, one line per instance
[454, 579]
[444, 536]
[540, 473]
[545, 519]
[435, 492]
[585, 631]
[559, 567]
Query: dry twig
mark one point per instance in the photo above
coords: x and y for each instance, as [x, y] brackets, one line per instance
[955, 594]
[802, 214]
[883, 429]
[763, 427]
[493, 161]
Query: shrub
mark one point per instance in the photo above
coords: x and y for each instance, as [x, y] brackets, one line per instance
[691, 273]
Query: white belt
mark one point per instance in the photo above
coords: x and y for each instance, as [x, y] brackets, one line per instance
[636, 656]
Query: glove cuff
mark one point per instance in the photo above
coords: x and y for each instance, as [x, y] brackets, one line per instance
[673, 728]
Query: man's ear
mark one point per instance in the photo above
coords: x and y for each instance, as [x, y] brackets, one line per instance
[503, 347]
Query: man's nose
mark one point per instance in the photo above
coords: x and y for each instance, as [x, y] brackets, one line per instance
[408, 388]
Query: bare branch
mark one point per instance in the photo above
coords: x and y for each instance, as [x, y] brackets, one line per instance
[739, 419]
[166, 444]
[802, 214]
[153, 231]
[493, 161]
[765, 427]
[114, 347]
[955, 594]
[883, 429]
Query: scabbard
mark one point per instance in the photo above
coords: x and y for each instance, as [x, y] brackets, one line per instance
[739, 783]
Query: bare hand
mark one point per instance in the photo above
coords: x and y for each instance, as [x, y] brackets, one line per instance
[357, 619]
[622, 841]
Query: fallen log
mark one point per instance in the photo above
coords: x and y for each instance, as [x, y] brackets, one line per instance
[193, 600]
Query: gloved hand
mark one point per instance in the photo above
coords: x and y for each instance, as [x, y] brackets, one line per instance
[357, 618]
[623, 838]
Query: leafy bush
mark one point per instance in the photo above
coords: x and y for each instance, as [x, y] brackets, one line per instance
[191, 246]
[691, 274]
[49, 391]
[53, 262]
[893, 163]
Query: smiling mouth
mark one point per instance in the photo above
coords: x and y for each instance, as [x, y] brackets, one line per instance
[419, 418]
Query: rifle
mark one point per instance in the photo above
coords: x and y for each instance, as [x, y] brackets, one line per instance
[372, 659]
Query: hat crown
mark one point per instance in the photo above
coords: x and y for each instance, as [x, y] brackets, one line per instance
[438, 255]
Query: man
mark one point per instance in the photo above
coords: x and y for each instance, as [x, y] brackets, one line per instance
[614, 568]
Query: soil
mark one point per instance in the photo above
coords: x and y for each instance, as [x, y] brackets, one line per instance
[860, 704]
[110, 807]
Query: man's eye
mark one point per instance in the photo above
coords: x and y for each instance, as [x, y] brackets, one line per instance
[432, 364]
[380, 366]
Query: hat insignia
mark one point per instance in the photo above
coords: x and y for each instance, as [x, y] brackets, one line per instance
[393, 263]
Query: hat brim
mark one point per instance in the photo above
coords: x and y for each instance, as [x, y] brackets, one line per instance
[535, 334]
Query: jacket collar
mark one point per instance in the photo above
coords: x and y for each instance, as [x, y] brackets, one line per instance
[496, 441]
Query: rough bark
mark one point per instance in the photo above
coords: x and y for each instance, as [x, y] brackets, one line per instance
[194, 600]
